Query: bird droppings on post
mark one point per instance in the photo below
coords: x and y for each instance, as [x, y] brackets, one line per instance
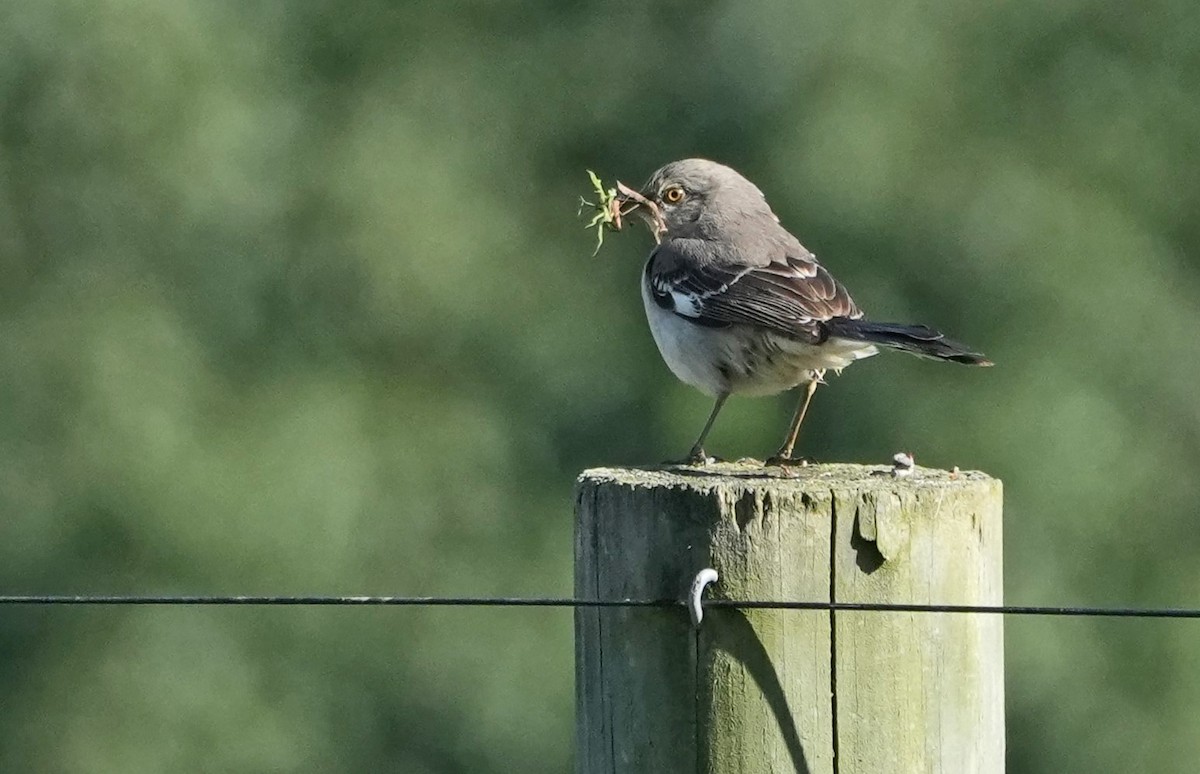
[722, 474]
[902, 464]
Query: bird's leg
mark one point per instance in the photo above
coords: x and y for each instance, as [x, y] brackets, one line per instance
[784, 455]
[697, 455]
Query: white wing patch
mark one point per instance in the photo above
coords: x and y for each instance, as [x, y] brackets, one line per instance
[692, 304]
[685, 304]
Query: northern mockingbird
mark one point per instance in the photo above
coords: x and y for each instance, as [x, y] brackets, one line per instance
[737, 306]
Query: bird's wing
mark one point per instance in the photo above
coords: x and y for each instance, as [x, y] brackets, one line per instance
[790, 295]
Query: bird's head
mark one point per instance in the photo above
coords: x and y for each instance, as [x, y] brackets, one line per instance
[697, 198]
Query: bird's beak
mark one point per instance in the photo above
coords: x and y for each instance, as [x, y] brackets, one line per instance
[628, 201]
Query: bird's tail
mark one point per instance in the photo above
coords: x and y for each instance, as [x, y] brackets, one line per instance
[920, 340]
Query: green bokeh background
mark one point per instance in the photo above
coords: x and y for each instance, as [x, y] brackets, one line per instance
[294, 300]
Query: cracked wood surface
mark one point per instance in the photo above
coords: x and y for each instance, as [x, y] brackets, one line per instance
[788, 691]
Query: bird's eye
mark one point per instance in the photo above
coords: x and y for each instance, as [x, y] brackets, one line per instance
[673, 195]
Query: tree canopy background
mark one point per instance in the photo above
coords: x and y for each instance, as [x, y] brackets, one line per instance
[294, 301]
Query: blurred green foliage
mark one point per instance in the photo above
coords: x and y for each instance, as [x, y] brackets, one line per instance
[294, 301]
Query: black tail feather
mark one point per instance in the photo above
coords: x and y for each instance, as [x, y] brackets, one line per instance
[920, 340]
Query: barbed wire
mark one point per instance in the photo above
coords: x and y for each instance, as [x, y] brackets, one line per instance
[569, 602]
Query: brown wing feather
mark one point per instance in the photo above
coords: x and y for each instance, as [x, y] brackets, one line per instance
[791, 295]
[807, 282]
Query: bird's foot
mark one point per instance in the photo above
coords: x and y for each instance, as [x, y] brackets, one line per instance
[696, 457]
[781, 460]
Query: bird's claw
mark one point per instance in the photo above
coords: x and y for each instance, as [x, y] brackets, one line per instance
[697, 458]
[781, 461]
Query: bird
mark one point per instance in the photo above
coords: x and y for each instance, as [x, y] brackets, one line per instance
[738, 306]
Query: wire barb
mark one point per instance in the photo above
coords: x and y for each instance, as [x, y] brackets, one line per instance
[696, 594]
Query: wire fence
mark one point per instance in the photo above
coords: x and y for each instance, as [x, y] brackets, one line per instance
[568, 602]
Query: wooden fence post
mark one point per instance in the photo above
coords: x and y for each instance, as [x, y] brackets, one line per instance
[757, 691]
